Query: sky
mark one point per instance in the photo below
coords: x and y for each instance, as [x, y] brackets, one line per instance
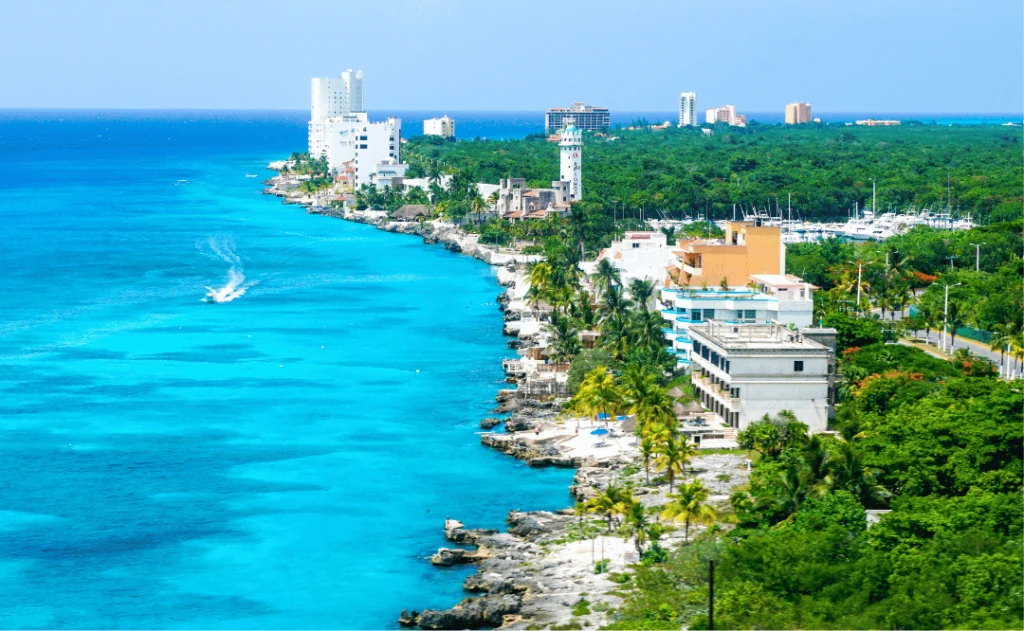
[456, 55]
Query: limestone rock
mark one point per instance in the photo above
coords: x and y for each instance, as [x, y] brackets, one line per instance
[472, 613]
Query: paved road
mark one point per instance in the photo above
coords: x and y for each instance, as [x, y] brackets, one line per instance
[977, 348]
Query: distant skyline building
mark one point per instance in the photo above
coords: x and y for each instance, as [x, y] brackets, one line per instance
[725, 114]
[798, 113]
[688, 109]
[570, 146]
[870, 122]
[585, 117]
[443, 127]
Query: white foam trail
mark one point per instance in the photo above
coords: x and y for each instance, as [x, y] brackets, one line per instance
[235, 287]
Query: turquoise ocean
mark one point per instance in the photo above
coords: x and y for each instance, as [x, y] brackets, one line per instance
[283, 460]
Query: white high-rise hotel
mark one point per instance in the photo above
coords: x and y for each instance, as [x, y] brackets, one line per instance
[571, 149]
[340, 129]
[688, 109]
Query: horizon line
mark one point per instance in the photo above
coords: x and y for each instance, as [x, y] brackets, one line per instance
[506, 111]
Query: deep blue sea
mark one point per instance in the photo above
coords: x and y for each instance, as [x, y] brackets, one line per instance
[283, 460]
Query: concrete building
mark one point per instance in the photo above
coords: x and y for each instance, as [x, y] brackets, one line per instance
[443, 127]
[748, 248]
[516, 201]
[688, 109]
[786, 300]
[336, 96]
[638, 255]
[332, 98]
[798, 113]
[352, 138]
[570, 148]
[743, 372]
[585, 117]
[725, 114]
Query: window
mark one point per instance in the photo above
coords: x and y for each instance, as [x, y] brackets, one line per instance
[750, 314]
[798, 366]
[709, 314]
[696, 315]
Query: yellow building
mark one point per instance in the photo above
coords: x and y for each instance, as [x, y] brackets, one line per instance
[798, 113]
[746, 250]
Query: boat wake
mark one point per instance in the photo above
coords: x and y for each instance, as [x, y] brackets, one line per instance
[235, 286]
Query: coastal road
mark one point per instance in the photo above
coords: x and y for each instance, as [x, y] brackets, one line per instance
[976, 348]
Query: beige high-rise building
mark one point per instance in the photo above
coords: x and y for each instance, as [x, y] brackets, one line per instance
[798, 113]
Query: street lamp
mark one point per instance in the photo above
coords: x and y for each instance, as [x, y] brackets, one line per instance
[951, 257]
[977, 256]
[945, 317]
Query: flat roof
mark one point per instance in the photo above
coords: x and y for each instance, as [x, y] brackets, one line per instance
[779, 280]
[770, 337]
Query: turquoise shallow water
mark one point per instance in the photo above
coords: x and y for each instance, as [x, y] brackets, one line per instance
[284, 460]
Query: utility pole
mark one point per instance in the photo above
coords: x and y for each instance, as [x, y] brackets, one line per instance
[711, 594]
[977, 256]
[945, 318]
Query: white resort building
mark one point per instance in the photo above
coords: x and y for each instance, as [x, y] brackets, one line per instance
[638, 255]
[742, 373]
[340, 130]
[443, 127]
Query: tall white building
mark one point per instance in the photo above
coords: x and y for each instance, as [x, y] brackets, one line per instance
[337, 96]
[688, 109]
[571, 149]
[331, 98]
[443, 127]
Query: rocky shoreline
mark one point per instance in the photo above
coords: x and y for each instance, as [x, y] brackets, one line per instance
[539, 572]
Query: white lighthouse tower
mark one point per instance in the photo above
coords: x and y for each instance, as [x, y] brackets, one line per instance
[571, 148]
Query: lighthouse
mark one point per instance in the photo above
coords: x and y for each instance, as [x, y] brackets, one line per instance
[571, 148]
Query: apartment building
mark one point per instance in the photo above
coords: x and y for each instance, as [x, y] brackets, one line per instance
[743, 372]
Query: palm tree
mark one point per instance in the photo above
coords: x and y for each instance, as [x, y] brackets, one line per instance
[610, 503]
[615, 334]
[648, 330]
[955, 319]
[1002, 336]
[636, 524]
[598, 393]
[478, 206]
[606, 275]
[792, 489]
[673, 456]
[615, 302]
[847, 471]
[492, 199]
[690, 505]
[641, 290]
[648, 447]
[565, 343]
